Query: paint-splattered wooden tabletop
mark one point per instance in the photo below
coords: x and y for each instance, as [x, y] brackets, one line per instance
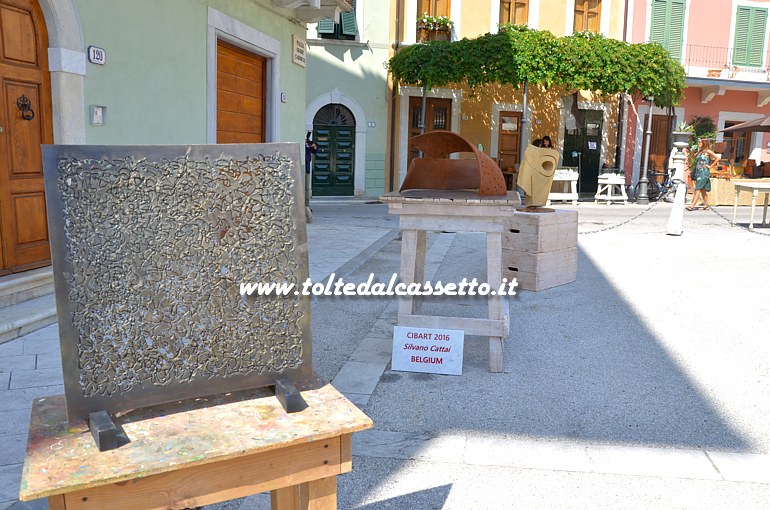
[63, 457]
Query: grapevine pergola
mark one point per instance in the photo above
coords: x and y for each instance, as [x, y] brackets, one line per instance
[519, 55]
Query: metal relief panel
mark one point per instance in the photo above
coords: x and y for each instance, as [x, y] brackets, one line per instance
[150, 247]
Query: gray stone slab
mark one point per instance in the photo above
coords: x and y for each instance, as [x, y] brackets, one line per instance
[22, 399]
[742, 467]
[5, 381]
[12, 348]
[49, 360]
[520, 453]
[646, 461]
[39, 343]
[407, 445]
[21, 379]
[373, 349]
[359, 399]
[13, 448]
[14, 422]
[358, 377]
[13, 363]
[10, 481]
[37, 504]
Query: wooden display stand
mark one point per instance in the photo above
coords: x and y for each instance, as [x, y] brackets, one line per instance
[754, 188]
[196, 453]
[612, 188]
[564, 186]
[540, 249]
[420, 211]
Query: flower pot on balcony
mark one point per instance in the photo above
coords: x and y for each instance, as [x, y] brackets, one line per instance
[425, 35]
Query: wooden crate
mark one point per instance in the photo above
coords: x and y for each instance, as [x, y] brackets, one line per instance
[540, 249]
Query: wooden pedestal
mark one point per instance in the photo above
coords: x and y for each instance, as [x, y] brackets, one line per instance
[197, 453]
[540, 249]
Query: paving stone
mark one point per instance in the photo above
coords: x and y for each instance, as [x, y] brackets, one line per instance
[34, 378]
[38, 343]
[359, 399]
[49, 360]
[5, 380]
[12, 363]
[14, 422]
[645, 461]
[358, 377]
[373, 349]
[12, 348]
[13, 448]
[10, 480]
[22, 399]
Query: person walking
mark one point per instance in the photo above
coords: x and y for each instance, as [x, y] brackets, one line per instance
[311, 148]
[702, 173]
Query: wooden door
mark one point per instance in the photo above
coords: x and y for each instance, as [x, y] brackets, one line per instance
[661, 127]
[582, 149]
[240, 95]
[438, 116]
[333, 173]
[508, 140]
[25, 124]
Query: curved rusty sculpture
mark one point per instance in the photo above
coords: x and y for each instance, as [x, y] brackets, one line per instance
[435, 171]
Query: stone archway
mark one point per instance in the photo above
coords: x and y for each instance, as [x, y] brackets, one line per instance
[67, 65]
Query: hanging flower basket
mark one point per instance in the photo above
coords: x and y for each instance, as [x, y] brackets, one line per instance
[434, 28]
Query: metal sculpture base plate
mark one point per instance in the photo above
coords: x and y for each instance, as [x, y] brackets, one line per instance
[104, 430]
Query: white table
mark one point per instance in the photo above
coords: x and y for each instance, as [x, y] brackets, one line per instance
[755, 188]
[612, 188]
[423, 210]
[564, 186]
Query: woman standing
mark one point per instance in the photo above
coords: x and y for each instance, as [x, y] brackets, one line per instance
[702, 173]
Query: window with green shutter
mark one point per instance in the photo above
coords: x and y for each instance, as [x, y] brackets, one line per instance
[749, 42]
[667, 25]
[345, 29]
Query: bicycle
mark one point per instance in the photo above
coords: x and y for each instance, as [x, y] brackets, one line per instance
[658, 191]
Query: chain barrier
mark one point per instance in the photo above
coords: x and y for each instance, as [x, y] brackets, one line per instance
[730, 221]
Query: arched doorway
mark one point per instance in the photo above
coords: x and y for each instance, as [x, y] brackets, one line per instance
[25, 124]
[334, 130]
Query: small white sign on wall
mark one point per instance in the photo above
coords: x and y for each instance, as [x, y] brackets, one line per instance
[299, 52]
[432, 351]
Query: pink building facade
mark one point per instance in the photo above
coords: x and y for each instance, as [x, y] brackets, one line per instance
[723, 46]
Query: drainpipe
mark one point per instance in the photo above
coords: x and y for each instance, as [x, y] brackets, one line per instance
[393, 97]
[522, 140]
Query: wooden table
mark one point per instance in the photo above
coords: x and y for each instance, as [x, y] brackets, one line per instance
[755, 188]
[564, 186]
[196, 453]
[423, 210]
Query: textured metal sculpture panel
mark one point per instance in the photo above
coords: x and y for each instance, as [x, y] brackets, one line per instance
[150, 247]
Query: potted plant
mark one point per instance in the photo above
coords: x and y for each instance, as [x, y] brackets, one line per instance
[434, 28]
[683, 133]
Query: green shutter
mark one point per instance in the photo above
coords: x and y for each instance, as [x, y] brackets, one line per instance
[326, 26]
[676, 29]
[667, 25]
[757, 41]
[348, 23]
[749, 42]
[658, 28]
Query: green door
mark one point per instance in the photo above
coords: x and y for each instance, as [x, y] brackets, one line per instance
[333, 165]
[583, 148]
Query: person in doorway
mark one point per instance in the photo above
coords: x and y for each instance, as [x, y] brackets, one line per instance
[546, 143]
[702, 173]
[310, 149]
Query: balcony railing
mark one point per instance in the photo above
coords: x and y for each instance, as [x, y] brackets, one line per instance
[717, 62]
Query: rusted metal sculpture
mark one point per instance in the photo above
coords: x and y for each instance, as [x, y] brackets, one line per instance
[435, 171]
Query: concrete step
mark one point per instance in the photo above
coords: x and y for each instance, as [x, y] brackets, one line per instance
[25, 317]
[21, 287]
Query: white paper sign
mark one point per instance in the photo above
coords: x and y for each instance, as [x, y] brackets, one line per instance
[432, 351]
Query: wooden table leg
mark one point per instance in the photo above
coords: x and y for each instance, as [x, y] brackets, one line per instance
[495, 303]
[735, 207]
[409, 245]
[316, 495]
[764, 213]
[56, 502]
[754, 194]
[419, 267]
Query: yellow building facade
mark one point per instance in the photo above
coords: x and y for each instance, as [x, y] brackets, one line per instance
[581, 125]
